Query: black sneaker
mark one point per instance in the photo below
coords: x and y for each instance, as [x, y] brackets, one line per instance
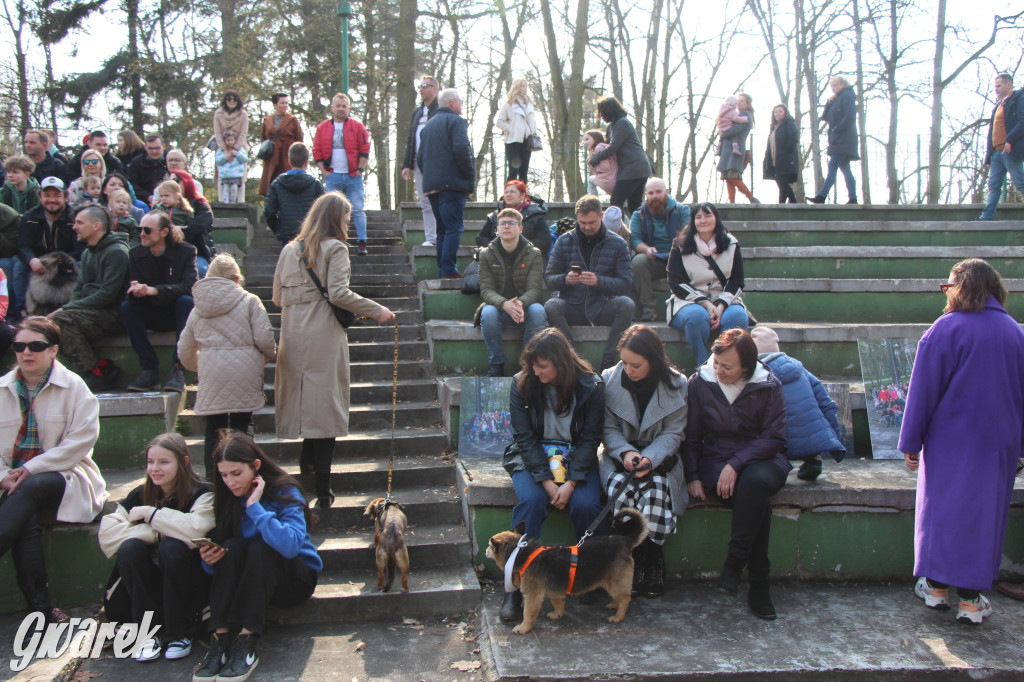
[760, 600]
[149, 380]
[496, 370]
[242, 659]
[362, 248]
[214, 661]
[176, 379]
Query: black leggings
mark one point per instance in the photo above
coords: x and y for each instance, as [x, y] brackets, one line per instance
[21, 533]
[317, 455]
[628, 194]
[752, 517]
[236, 421]
[250, 576]
[166, 578]
[517, 154]
[786, 193]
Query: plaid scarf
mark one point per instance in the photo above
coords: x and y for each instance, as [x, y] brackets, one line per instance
[27, 444]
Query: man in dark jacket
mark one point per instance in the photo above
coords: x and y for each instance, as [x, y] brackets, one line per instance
[589, 268]
[98, 142]
[428, 87]
[94, 309]
[44, 228]
[149, 170]
[291, 195]
[1005, 150]
[162, 270]
[841, 115]
[36, 143]
[652, 229]
[445, 158]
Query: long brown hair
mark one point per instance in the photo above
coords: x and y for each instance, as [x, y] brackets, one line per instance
[184, 482]
[974, 280]
[325, 220]
[551, 345]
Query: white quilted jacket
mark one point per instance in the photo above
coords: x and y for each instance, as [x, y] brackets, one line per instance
[228, 339]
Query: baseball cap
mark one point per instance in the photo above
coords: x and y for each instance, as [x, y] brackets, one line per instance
[52, 181]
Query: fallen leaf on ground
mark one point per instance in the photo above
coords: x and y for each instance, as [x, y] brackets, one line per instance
[466, 666]
[360, 646]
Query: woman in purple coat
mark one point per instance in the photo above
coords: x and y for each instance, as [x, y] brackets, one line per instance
[963, 426]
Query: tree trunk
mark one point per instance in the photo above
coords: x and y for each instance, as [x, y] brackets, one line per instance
[862, 124]
[17, 24]
[406, 58]
[935, 132]
[131, 8]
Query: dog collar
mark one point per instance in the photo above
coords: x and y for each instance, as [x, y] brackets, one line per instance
[510, 565]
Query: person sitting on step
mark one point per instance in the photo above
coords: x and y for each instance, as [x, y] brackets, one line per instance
[511, 284]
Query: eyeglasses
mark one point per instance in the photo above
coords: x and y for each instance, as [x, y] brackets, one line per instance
[90, 162]
[34, 346]
[944, 288]
[508, 223]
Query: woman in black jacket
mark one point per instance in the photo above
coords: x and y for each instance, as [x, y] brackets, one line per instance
[734, 450]
[781, 158]
[535, 224]
[624, 145]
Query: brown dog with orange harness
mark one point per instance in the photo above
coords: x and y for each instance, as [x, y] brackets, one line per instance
[389, 542]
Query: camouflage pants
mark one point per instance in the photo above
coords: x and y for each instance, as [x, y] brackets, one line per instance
[80, 326]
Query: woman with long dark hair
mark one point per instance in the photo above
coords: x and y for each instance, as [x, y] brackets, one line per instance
[782, 156]
[150, 533]
[705, 274]
[231, 116]
[263, 556]
[644, 419]
[623, 143]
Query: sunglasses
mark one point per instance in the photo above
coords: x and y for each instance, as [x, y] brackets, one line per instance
[90, 162]
[944, 288]
[230, 98]
[34, 346]
[149, 230]
[426, 85]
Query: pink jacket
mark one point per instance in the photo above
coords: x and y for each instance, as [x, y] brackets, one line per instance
[606, 171]
[728, 115]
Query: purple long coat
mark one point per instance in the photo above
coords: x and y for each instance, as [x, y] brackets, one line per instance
[965, 406]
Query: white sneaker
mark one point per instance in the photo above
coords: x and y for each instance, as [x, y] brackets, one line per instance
[973, 611]
[934, 597]
[428, 243]
[179, 648]
[149, 651]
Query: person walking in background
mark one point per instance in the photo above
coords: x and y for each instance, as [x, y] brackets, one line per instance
[445, 158]
[291, 196]
[605, 173]
[428, 87]
[731, 164]
[841, 115]
[633, 166]
[1004, 152]
[341, 150]
[231, 168]
[652, 229]
[284, 130]
[517, 122]
[230, 117]
[782, 155]
[728, 114]
[962, 427]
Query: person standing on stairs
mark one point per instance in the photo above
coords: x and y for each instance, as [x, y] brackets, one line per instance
[841, 115]
[341, 150]
[1004, 151]
[311, 384]
[428, 87]
[291, 195]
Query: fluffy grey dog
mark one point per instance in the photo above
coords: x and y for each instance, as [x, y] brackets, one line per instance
[52, 289]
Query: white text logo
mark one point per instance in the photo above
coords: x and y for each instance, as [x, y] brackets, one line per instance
[82, 636]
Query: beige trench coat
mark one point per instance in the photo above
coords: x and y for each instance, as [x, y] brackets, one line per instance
[311, 385]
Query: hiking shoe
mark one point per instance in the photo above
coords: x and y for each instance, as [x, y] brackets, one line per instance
[934, 597]
[214, 661]
[973, 611]
[496, 370]
[242, 659]
[176, 379]
[103, 377]
[809, 470]
[362, 248]
[150, 650]
[149, 380]
[55, 615]
[179, 648]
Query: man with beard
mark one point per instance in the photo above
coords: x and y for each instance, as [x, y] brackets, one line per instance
[658, 221]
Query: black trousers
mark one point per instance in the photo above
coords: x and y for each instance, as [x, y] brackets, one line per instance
[316, 455]
[21, 533]
[251, 576]
[517, 154]
[628, 195]
[166, 578]
[236, 421]
[751, 506]
[786, 193]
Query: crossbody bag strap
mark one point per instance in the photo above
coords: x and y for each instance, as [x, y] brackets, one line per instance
[713, 264]
[312, 275]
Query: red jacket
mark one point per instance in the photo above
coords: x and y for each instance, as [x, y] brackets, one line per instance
[357, 143]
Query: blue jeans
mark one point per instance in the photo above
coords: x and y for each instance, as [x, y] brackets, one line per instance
[19, 285]
[841, 163]
[138, 316]
[448, 207]
[999, 165]
[532, 503]
[695, 322]
[202, 265]
[492, 320]
[617, 313]
[351, 187]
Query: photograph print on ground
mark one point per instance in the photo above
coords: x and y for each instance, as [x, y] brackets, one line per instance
[886, 365]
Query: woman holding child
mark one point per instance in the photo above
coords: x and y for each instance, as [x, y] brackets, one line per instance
[733, 157]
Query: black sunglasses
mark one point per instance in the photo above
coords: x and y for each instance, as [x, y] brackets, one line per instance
[34, 346]
[149, 230]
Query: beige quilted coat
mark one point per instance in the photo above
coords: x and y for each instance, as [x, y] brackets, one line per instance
[227, 337]
[311, 385]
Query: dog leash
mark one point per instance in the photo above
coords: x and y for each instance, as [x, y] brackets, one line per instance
[611, 502]
[394, 414]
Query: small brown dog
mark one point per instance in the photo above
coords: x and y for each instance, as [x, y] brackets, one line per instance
[53, 288]
[389, 542]
[603, 561]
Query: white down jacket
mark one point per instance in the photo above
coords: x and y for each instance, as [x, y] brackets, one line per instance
[227, 338]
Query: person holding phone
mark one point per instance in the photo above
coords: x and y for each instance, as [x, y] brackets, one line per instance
[150, 534]
[264, 554]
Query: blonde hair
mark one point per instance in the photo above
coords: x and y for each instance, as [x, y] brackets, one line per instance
[225, 265]
[327, 219]
[175, 189]
[94, 180]
[118, 194]
[89, 153]
[513, 92]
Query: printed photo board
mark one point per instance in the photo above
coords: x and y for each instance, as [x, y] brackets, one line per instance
[484, 420]
[840, 393]
[886, 365]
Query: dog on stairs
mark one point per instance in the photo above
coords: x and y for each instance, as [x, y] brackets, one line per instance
[53, 288]
[389, 525]
[555, 572]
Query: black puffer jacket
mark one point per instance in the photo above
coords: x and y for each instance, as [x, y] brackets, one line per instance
[445, 156]
[751, 429]
[609, 260]
[535, 226]
[288, 201]
[145, 174]
[37, 237]
[787, 150]
[199, 229]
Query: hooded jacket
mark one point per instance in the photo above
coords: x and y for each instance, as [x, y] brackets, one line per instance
[841, 115]
[20, 200]
[751, 429]
[227, 339]
[812, 425]
[535, 226]
[645, 228]
[288, 201]
[609, 260]
[103, 279]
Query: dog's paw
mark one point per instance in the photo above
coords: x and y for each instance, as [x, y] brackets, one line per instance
[616, 619]
[554, 615]
[520, 629]
[612, 606]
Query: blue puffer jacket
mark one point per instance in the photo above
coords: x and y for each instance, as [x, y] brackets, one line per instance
[445, 156]
[811, 422]
[609, 261]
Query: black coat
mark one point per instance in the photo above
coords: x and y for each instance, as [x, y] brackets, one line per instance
[74, 169]
[199, 230]
[145, 174]
[841, 116]
[751, 429]
[37, 238]
[1013, 117]
[50, 166]
[787, 153]
[409, 160]
[288, 201]
[445, 156]
[535, 226]
[173, 272]
[609, 260]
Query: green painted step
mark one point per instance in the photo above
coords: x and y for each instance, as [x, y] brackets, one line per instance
[875, 262]
[130, 420]
[357, 446]
[361, 417]
[759, 232]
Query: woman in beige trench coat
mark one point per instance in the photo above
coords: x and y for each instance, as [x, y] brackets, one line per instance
[311, 385]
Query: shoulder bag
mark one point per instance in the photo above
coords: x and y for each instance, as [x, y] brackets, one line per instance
[345, 317]
[534, 143]
[471, 276]
[266, 150]
[713, 264]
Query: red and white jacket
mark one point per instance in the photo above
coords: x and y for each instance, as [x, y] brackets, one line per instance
[357, 143]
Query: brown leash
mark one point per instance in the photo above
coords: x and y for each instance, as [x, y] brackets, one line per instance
[394, 415]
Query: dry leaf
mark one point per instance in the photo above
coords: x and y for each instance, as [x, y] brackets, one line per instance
[466, 666]
[360, 646]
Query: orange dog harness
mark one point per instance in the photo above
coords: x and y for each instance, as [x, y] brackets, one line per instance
[573, 560]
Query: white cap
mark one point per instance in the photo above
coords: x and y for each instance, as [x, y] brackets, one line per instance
[52, 181]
